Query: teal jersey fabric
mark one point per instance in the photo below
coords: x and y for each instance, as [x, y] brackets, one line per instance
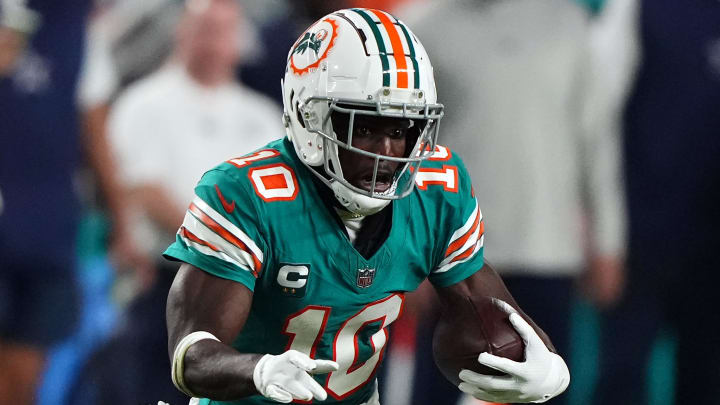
[260, 221]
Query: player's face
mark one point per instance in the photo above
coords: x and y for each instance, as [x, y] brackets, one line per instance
[383, 136]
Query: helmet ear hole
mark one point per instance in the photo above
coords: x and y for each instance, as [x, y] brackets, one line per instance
[299, 116]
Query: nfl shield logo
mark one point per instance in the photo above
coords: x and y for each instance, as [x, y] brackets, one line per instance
[365, 277]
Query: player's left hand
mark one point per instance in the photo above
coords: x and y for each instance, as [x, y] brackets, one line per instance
[543, 374]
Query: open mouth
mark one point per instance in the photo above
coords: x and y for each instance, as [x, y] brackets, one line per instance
[383, 181]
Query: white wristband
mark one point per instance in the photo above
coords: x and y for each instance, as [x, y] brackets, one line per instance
[177, 369]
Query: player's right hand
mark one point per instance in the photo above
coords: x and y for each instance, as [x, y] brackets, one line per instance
[543, 374]
[287, 376]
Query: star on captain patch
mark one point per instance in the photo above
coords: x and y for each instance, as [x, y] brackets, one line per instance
[293, 279]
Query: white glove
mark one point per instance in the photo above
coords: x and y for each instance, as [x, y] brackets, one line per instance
[285, 377]
[543, 374]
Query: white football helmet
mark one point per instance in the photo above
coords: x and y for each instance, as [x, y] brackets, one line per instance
[359, 62]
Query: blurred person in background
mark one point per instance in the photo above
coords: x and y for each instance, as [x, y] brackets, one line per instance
[41, 48]
[669, 51]
[155, 127]
[166, 130]
[127, 40]
[538, 142]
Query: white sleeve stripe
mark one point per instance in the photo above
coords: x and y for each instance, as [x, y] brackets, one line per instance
[206, 234]
[468, 224]
[211, 224]
[229, 226]
[472, 240]
[446, 267]
[209, 252]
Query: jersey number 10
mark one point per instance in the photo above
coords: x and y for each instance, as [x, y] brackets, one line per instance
[307, 326]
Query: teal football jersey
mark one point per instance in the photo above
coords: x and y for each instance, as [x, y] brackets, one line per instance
[259, 220]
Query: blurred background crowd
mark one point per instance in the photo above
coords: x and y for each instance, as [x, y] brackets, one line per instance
[591, 129]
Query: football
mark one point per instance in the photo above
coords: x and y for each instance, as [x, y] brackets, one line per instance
[468, 329]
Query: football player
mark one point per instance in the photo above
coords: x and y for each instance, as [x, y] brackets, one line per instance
[297, 256]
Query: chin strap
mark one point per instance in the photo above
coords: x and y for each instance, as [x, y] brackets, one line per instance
[357, 203]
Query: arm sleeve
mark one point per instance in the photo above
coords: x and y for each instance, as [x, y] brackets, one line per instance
[613, 36]
[461, 252]
[219, 233]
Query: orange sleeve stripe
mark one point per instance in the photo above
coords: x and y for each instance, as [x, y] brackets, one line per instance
[469, 251]
[191, 236]
[222, 232]
[461, 241]
[397, 48]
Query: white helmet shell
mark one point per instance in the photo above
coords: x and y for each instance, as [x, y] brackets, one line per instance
[358, 61]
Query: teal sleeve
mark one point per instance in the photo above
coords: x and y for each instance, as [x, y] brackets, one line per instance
[179, 251]
[461, 246]
[460, 273]
[220, 233]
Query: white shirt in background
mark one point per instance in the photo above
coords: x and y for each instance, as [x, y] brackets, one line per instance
[168, 130]
[527, 110]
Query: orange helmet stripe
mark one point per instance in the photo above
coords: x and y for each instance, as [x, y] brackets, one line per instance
[397, 48]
